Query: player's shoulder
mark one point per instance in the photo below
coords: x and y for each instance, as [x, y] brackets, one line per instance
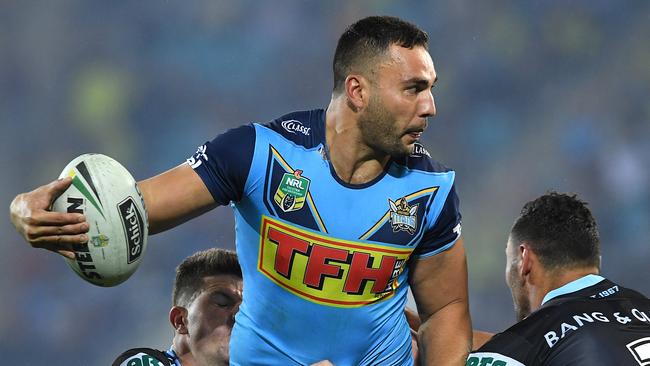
[142, 356]
[420, 159]
[304, 128]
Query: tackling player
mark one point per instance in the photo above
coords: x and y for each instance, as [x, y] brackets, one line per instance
[337, 212]
[206, 297]
[568, 314]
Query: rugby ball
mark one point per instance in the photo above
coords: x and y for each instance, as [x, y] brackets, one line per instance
[106, 193]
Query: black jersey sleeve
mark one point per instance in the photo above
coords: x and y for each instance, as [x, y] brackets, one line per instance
[223, 163]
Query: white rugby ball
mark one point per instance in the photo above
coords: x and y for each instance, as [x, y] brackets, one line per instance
[106, 193]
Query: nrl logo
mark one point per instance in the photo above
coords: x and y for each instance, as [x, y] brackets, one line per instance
[99, 241]
[402, 216]
[292, 191]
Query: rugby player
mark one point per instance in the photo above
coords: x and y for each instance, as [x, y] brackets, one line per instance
[337, 212]
[206, 296]
[568, 314]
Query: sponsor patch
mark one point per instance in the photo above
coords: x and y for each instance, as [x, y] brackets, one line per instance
[491, 359]
[196, 160]
[133, 228]
[292, 191]
[326, 270]
[640, 350]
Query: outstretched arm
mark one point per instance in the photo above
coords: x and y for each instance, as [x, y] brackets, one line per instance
[174, 197]
[171, 198]
[439, 285]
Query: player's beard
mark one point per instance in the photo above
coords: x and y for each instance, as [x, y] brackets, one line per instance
[378, 130]
[519, 294]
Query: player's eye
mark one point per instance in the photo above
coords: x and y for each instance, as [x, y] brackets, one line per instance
[222, 300]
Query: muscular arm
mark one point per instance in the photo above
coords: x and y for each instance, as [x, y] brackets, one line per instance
[174, 197]
[439, 285]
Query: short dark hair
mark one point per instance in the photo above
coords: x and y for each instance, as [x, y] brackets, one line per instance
[369, 38]
[192, 270]
[560, 230]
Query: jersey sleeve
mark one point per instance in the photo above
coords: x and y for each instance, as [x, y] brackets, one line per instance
[223, 163]
[142, 356]
[445, 231]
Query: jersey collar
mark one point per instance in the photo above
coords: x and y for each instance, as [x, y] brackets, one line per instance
[173, 357]
[573, 286]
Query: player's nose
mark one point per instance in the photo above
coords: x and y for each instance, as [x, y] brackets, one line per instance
[427, 105]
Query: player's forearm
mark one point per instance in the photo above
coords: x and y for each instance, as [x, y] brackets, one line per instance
[174, 197]
[445, 338]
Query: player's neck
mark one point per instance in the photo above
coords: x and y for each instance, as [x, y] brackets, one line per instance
[556, 279]
[354, 162]
[182, 350]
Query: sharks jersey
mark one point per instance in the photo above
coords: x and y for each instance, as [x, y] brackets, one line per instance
[590, 321]
[324, 262]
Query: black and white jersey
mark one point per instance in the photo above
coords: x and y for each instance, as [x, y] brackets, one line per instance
[590, 321]
[147, 357]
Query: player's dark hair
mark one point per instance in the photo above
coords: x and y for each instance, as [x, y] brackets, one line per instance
[368, 38]
[561, 230]
[191, 271]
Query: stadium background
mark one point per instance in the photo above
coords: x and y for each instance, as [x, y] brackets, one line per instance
[532, 96]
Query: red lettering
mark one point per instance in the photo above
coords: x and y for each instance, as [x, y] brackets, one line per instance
[287, 248]
[318, 265]
[361, 271]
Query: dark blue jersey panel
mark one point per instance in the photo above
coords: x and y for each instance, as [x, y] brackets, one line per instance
[446, 230]
[223, 163]
[420, 159]
[305, 128]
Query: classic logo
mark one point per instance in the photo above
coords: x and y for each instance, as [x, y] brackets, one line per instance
[419, 150]
[133, 227]
[640, 350]
[402, 216]
[292, 191]
[293, 126]
[327, 270]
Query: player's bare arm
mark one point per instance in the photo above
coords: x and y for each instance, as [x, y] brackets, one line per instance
[439, 285]
[41, 228]
[173, 197]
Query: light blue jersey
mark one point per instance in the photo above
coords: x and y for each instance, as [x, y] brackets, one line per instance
[325, 263]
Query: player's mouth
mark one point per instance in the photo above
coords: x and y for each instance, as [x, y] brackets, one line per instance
[415, 135]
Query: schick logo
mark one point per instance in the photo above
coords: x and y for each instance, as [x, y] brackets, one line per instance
[293, 126]
[133, 227]
[292, 191]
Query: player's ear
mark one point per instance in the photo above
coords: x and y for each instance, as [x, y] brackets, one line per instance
[356, 90]
[178, 319]
[527, 259]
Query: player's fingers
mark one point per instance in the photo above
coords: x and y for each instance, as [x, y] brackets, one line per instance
[59, 242]
[66, 253]
[50, 218]
[34, 232]
[54, 189]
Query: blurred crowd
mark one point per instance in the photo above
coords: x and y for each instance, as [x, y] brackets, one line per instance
[532, 96]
